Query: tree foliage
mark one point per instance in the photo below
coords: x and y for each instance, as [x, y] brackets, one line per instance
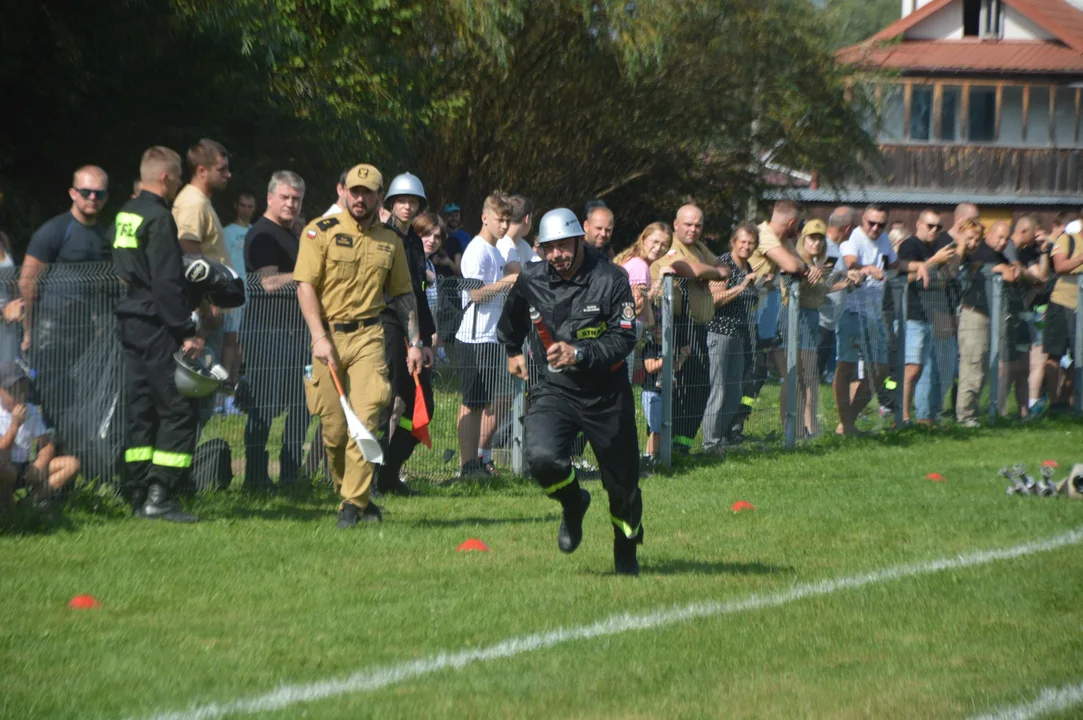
[643, 104]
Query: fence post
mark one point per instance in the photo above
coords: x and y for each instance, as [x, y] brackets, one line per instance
[902, 314]
[1077, 351]
[793, 310]
[518, 411]
[667, 371]
[996, 311]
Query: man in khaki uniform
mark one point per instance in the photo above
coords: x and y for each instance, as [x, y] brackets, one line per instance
[693, 308]
[349, 268]
[1060, 319]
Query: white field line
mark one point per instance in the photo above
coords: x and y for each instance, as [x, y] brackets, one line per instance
[1048, 701]
[370, 679]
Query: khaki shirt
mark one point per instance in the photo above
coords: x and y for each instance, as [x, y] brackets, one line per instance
[1066, 290]
[352, 269]
[198, 222]
[761, 264]
[700, 300]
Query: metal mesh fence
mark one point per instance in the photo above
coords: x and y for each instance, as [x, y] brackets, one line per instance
[966, 348]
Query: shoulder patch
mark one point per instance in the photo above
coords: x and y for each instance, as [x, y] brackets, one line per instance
[628, 311]
[672, 252]
[327, 223]
[311, 234]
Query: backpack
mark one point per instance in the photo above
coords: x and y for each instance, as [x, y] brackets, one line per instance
[212, 466]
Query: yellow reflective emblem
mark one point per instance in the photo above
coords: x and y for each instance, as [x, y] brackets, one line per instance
[127, 224]
[590, 333]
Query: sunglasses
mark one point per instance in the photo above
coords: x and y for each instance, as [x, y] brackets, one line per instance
[87, 192]
[874, 224]
[933, 226]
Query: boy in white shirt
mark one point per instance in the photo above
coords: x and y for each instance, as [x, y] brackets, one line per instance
[513, 247]
[21, 426]
[483, 359]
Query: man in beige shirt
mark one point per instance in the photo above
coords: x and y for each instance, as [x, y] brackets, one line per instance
[200, 232]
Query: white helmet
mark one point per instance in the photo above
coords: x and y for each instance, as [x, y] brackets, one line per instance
[559, 224]
[406, 184]
[198, 377]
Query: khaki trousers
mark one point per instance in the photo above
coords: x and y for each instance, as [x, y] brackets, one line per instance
[973, 362]
[363, 374]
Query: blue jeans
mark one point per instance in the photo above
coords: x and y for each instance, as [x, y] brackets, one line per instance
[937, 375]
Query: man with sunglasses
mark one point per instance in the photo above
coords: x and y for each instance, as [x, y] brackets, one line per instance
[861, 333]
[930, 346]
[58, 325]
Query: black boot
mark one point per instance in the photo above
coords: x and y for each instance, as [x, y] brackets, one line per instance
[348, 516]
[372, 513]
[624, 557]
[160, 505]
[136, 497]
[571, 524]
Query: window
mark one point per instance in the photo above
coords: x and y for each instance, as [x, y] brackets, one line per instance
[1038, 117]
[949, 112]
[1064, 117]
[921, 112]
[891, 113]
[1011, 116]
[972, 18]
[981, 124]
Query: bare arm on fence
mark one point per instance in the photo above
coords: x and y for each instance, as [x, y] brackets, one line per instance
[28, 288]
[488, 292]
[271, 279]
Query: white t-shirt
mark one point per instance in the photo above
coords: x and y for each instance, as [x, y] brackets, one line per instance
[868, 297]
[481, 261]
[333, 210]
[516, 251]
[32, 428]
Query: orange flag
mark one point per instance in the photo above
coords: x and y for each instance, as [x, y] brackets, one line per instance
[420, 430]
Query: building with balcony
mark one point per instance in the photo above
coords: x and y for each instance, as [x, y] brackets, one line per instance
[980, 101]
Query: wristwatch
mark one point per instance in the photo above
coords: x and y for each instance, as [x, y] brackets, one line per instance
[580, 355]
[417, 345]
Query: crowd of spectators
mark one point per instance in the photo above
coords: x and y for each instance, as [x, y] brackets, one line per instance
[731, 316]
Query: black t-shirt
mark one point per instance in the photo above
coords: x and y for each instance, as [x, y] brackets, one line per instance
[268, 244]
[975, 293]
[920, 300]
[66, 240]
[651, 351]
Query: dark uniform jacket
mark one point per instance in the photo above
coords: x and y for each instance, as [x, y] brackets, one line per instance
[415, 258]
[594, 311]
[148, 259]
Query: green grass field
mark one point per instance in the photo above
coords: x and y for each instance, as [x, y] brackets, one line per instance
[266, 592]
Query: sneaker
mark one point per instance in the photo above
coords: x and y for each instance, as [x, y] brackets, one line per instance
[161, 506]
[372, 513]
[348, 515]
[571, 524]
[971, 424]
[718, 451]
[474, 469]
[1038, 408]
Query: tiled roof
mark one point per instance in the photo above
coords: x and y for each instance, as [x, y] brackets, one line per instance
[1014, 56]
[863, 196]
[1057, 17]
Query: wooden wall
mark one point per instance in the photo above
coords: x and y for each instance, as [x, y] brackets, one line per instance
[1044, 171]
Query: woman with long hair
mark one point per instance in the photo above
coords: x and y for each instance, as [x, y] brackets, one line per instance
[651, 244]
[431, 229]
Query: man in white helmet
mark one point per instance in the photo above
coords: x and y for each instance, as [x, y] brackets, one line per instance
[405, 197]
[583, 314]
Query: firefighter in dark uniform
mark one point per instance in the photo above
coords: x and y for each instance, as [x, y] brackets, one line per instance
[154, 320]
[584, 316]
[350, 268]
[406, 196]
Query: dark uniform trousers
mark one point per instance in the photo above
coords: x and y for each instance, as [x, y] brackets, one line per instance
[556, 417]
[693, 382]
[398, 449]
[161, 421]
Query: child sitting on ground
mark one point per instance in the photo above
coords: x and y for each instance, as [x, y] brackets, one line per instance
[652, 396]
[21, 426]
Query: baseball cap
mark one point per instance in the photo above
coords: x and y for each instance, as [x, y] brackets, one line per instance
[364, 176]
[452, 207]
[11, 373]
[814, 227]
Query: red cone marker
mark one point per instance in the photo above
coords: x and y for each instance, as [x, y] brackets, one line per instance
[83, 602]
[473, 544]
[935, 477]
[742, 505]
[1050, 463]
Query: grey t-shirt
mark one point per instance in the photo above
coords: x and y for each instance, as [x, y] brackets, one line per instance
[66, 240]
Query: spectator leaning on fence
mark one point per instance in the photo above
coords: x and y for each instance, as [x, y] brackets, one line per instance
[860, 332]
[1024, 252]
[513, 247]
[1039, 302]
[924, 354]
[274, 345]
[729, 337]
[1060, 323]
[22, 427]
[693, 308]
[481, 358]
[974, 321]
[598, 226]
[244, 208]
[839, 226]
